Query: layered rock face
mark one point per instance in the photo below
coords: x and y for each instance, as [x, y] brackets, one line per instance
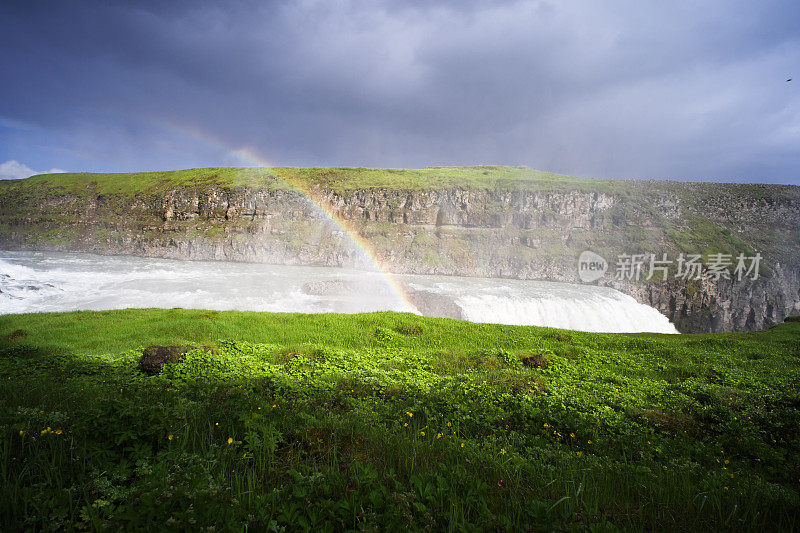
[505, 231]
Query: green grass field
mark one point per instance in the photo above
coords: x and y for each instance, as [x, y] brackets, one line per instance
[391, 421]
[334, 178]
[343, 179]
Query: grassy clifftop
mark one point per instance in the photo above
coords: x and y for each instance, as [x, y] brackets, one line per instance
[392, 421]
[342, 179]
[640, 194]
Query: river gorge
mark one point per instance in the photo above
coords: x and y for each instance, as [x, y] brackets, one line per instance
[451, 223]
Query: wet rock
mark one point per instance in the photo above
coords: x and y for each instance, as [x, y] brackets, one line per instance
[433, 304]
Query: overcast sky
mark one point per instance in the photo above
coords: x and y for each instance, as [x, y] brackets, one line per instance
[612, 89]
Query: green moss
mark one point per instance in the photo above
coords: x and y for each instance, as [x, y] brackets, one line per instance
[424, 239]
[215, 231]
[699, 235]
[432, 259]
[52, 236]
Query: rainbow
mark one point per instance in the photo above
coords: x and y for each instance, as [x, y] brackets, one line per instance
[249, 157]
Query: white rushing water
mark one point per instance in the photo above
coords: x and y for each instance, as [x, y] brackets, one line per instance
[545, 303]
[50, 281]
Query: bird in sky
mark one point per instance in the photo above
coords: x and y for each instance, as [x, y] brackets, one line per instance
[790, 79]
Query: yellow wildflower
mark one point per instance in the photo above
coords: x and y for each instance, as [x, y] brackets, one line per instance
[230, 440]
[58, 432]
[579, 454]
[572, 435]
[169, 437]
[438, 435]
[449, 424]
[546, 425]
[462, 444]
[503, 451]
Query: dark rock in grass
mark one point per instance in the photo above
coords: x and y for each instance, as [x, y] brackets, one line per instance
[17, 334]
[155, 357]
[793, 318]
[537, 360]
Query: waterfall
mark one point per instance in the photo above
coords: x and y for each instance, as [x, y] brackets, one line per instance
[545, 303]
[614, 313]
[52, 281]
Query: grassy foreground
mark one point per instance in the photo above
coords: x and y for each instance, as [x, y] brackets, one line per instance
[391, 421]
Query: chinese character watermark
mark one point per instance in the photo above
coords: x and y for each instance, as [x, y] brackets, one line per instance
[634, 267]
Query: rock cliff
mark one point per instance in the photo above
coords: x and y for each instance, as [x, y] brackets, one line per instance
[475, 221]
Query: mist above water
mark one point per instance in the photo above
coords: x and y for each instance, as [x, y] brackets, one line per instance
[51, 281]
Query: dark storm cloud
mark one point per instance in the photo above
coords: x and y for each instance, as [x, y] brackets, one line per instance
[613, 89]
